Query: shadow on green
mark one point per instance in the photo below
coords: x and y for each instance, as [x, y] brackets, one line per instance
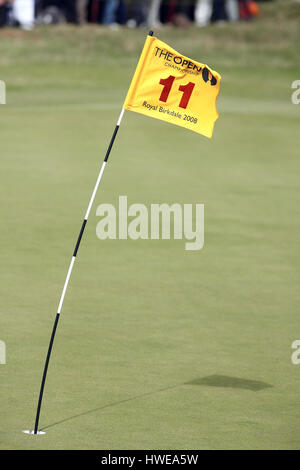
[225, 381]
[212, 380]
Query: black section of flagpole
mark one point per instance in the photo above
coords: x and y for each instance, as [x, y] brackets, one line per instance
[111, 142]
[80, 237]
[45, 374]
[58, 314]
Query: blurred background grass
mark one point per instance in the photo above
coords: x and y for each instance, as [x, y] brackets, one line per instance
[145, 322]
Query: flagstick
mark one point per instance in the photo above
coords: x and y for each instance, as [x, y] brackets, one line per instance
[69, 275]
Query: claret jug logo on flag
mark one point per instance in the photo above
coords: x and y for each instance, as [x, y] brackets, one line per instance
[171, 87]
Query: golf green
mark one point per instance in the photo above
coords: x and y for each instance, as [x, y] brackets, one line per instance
[157, 347]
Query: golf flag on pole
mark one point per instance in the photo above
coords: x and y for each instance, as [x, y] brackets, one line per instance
[169, 86]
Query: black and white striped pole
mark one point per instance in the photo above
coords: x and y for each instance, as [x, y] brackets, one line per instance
[36, 426]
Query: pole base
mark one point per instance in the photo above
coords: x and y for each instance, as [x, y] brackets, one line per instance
[27, 431]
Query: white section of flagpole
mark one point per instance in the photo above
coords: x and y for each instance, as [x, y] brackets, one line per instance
[66, 285]
[121, 117]
[36, 431]
[95, 191]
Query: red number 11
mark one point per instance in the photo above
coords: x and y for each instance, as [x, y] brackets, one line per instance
[186, 89]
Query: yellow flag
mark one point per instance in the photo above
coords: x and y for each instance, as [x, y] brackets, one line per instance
[169, 86]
